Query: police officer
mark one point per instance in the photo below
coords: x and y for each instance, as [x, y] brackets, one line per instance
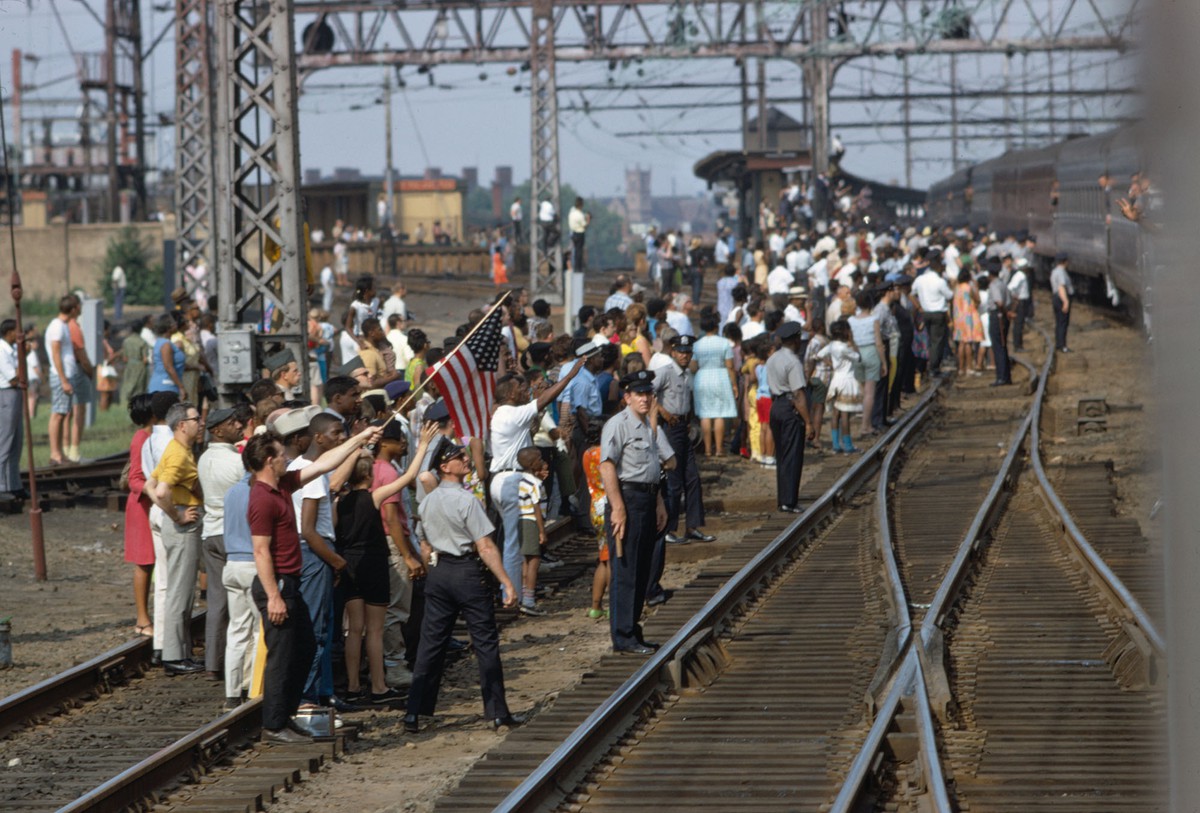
[673, 389]
[458, 547]
[636, 514]
[789, 415]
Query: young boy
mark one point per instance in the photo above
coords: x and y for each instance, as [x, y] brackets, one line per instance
[530, 494]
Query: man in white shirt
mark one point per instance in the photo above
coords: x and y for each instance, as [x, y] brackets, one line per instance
[515, 216]
[511, 431]
[398, 339]
[577, 222]
[328, 282]
[11, 414]
[65, 374]
[779, 280]
[933, 297]
[797, 298]
[395, 303]
[1018, 286]
[678, 315]
[754, 322]
[219, 468]
[818, 279]
[118, 288]
[548, 223]
[721, 251]
[776, 244]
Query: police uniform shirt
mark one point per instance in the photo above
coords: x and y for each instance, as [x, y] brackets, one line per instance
[673, 387]
[999, 297]
[1059, 278]
[632, 446]
[785, 373]
[453, 519]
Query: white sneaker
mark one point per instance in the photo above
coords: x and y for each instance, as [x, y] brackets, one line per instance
[768, 462]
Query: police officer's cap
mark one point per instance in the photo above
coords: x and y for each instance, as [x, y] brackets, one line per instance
[641, 381]
[683, 344]
[788, 330]
[353, 364]
[447, 451]
[438, 411]
[397, 389]
[278, 361]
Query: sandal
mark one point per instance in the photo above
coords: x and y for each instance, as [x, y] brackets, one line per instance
[144, 629]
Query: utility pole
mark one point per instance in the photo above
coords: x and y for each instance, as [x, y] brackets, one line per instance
[389, 173]
[954, 112]
[761, 89]
[819, 76]
[908, 146]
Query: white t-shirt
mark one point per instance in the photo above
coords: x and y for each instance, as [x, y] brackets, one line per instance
[512, 431]
[818, 273]
[679, 321]
[779, 280]
[118, 278]
[404, 353]
[57, 331]
[315, 489]
[752, 329]
[394, 304]
[932, 292]
[362, 312]
[514, 211]
[546, 211]
[776, 243]
[348, 345]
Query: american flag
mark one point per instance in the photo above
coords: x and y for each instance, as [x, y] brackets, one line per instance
[467, 378]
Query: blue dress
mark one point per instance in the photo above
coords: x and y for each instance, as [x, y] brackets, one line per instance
[711, 388]
[159, 380]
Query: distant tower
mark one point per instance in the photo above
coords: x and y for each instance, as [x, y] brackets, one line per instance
[637, 195]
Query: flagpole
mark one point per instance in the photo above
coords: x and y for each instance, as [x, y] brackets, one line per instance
[437, 367]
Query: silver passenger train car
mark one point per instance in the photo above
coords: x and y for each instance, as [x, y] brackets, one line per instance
[1054, 194]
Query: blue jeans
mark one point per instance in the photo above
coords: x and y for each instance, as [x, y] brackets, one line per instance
[316, 586]
[504, 496]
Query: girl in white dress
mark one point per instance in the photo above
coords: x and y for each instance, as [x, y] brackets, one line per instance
[845, 393]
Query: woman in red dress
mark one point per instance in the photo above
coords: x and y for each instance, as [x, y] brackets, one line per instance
[139, 546]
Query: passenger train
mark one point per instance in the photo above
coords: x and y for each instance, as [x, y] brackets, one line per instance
[1055, 195]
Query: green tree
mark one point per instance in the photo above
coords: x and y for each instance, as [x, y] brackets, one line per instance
[144, 284]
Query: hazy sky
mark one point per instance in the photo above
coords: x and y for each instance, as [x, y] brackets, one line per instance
[473, 117]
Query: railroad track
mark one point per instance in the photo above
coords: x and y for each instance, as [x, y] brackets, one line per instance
[1007, 658]
[96, 738]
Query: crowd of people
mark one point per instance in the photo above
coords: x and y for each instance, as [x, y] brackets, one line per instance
[357, 520]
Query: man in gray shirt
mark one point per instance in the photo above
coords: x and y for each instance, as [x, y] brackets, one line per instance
[1061, 292]
[673, 390]
[630, 469]
[789, 416]
[458, 547]
[999, 305]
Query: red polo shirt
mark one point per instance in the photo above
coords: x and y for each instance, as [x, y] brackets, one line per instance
[271, 514]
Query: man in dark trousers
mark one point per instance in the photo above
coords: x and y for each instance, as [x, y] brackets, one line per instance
[458, 547]
[789, 416]
[630, 469]
[673, 391]
[277, 560]
[999, 305]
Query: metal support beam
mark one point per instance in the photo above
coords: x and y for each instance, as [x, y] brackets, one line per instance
[545, 256]
[818, 76]
[260, 229]
[194, 133]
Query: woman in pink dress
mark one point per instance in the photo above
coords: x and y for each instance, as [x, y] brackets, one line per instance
[139, 546]
[968, 327]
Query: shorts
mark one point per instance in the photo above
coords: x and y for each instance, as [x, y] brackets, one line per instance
[60, 402]
[763, 407]
[530, 540]
[817, 390]
[366, 577]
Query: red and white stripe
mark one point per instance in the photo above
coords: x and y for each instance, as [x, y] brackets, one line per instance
[468, 392]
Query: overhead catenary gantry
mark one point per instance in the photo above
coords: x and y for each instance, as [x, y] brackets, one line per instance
[818, 35]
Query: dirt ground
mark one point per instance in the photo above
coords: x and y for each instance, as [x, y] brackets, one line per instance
[87, 606]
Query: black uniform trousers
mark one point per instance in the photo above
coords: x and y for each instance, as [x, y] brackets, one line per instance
[291, 647]
[577, 239]
[1062, 320]
[788, 428]
[1024, 312]
[684, 479]
[412, 627]
[458, 585]
[939, 346]
[998, 334]
[631, 572]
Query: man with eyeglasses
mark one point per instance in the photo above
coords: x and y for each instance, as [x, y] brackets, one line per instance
[174, 486]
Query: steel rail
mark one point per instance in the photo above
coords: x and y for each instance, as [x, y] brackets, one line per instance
[109, 668]
[910, 677]
[558, 773]
[200, 748]
[1094, 561]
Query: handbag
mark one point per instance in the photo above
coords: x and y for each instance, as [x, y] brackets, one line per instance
[123, 482]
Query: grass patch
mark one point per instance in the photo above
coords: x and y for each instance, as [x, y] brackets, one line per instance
[110, 434]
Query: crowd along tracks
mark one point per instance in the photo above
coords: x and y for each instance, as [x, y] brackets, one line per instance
[936, 632]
